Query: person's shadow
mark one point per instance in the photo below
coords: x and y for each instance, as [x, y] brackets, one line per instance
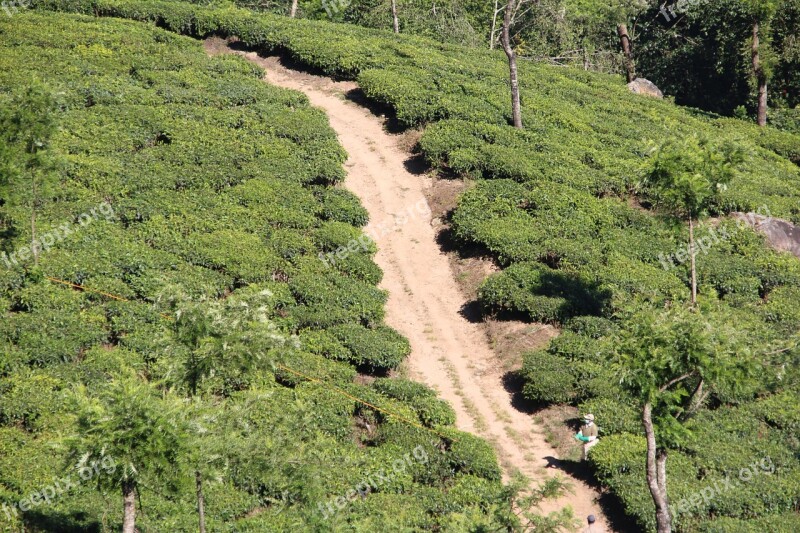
[612, 507]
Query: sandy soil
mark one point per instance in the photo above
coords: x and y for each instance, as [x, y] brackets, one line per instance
[450, 352]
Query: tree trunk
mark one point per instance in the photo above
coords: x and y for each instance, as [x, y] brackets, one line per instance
[505, 38]
[494, 26]
[691, 254]
[761, 78]
[395, 22]
[129, 507]
[697, 399]
[201, 506]
[34, 247]
[656, 473]
[293, 11]
[625, 42]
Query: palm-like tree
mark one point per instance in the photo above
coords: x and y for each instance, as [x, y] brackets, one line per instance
[687, 178]
[138, 427]
[234, 336]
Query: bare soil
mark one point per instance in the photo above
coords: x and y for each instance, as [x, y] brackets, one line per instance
[431, 288]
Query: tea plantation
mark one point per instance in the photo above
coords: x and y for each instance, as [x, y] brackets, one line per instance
[557, 205]
[214, 193]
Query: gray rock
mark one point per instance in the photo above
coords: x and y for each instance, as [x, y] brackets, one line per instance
[646, 87]
[781, 234]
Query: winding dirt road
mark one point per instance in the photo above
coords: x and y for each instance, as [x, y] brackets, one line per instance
[449, 353]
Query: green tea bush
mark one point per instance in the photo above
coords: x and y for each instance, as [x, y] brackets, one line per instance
[432, 411]
[546, 379]
[380, 348]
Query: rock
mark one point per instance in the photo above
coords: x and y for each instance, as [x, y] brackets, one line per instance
[646, 87]
[781, 234]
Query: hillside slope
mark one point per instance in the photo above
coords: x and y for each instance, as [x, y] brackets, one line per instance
[448, 352]
[557, 205]
[184, 188]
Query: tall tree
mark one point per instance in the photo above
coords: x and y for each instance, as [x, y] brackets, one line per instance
[231, 337]
[140, 429]
[687, 177]
[395, 20]
[627, 54]
[25, 131]
[762, 12]
[671, 361]
[505, 39]
[293, 9]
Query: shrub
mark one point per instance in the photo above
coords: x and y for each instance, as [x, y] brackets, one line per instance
[431, 410]
[381, 348]
[546, 378]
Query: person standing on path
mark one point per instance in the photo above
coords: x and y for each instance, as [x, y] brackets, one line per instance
[587, 434]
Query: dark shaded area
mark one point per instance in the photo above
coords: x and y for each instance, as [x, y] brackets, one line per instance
[60, 522]
[378, 109]
[611, 505]
[472, 311]
[417, 165]
[513, 382]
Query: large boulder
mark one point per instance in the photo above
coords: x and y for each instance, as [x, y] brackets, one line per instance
[781, 234]
[646, 87]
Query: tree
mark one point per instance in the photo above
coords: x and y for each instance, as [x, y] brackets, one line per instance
[293, 10]
[505, 39]
[687, 177]
[671, 360]
[493, 30]
[395, 21]
[625, 43]
[141, 430]
[762, 12]
[232, 337]
[25, 131]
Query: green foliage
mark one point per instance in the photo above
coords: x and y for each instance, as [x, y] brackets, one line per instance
[688, 175]
[663, 355]
[432, 411]
[222, 189]
[546, 380]
[141, 433]
[471, 455]
[554, 206]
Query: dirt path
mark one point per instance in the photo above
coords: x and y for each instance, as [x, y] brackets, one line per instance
[449, 352]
